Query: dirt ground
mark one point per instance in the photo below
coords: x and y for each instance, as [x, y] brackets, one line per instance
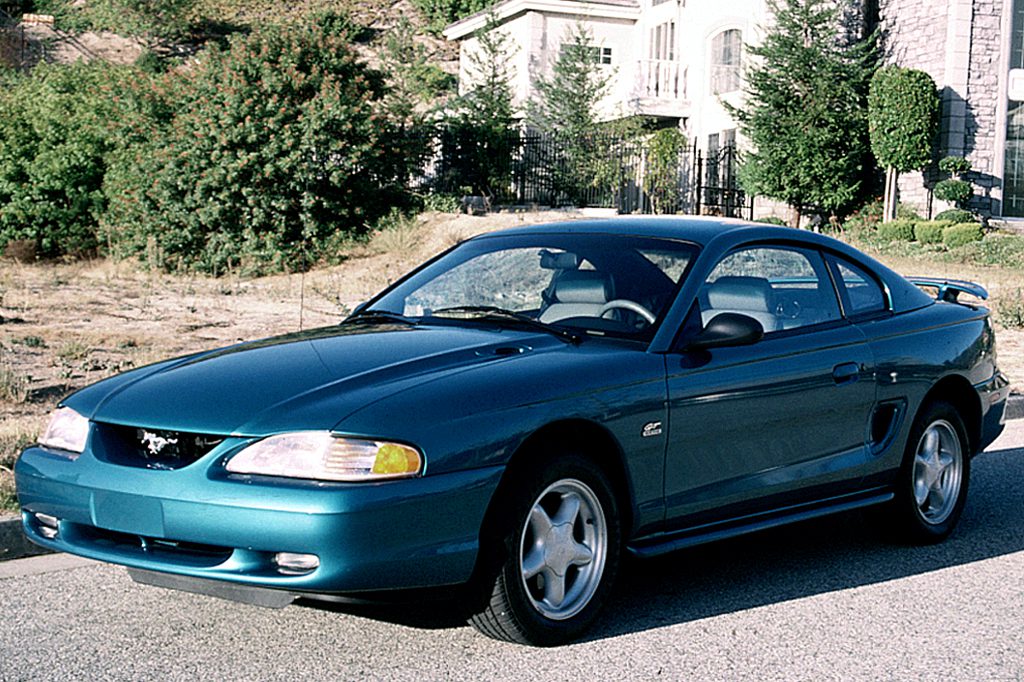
[63, 326]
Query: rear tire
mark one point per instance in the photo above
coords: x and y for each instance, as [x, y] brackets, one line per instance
[558, 554]
[932, 487]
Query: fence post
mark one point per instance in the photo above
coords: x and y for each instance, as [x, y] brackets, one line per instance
[699, 183]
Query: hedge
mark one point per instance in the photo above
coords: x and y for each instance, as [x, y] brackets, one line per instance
[959, 235]
[897, 230]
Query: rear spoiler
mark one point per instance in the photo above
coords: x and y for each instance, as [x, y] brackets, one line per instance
[950, 289]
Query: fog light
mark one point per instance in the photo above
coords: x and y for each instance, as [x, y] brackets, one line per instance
[47, 525]
[290, 563]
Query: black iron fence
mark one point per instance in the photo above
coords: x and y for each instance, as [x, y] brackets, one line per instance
[600, 170]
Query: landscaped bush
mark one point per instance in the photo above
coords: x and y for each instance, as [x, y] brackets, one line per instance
[771, 220]
[959, 235]
[276, 148]
[930, 232]
[897, 231]
[956, 215]
[58, 124]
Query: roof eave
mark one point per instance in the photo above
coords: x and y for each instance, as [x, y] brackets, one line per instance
[511, 8]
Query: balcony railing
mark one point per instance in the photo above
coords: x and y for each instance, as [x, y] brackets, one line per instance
[661, 79]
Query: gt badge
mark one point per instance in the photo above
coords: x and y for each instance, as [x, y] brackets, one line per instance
[651, 429]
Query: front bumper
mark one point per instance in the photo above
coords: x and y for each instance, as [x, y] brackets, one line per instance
[200, 521]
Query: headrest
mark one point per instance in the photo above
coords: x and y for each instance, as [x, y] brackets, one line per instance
[582, 286]
[741, 293]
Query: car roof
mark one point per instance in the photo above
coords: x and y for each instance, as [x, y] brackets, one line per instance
[698, 229]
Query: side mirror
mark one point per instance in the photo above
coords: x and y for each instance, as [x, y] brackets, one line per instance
[728, 329]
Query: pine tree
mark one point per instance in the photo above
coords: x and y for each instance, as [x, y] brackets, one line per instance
[805, 109]
[481, 137]
[567, 99]
[567, 107]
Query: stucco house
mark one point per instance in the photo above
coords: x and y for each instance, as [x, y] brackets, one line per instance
[678, 60]
[672, 59]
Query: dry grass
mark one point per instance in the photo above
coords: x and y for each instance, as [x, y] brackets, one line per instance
[15, 435]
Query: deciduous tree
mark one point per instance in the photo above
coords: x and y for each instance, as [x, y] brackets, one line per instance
[903, 115]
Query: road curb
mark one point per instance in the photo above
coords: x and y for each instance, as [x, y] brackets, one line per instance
[1015, 407]
[13, 543]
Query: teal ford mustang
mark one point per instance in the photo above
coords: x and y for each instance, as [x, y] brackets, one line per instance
[520, 411]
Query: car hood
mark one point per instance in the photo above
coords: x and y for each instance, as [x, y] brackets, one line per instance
[307, 380]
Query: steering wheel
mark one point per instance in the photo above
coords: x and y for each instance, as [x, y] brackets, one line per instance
[627, 305]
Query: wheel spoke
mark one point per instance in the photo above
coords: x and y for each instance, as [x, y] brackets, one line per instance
[946, 460]
[568, 510]
[554, 588]
[533, 562]
[920, 491]
[583, 555]
[930, 446]
[540, 522]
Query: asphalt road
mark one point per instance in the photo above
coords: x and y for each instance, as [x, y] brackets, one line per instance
[826, 599]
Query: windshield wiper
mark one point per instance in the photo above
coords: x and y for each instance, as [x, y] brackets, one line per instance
[478, 312]
[377, 317]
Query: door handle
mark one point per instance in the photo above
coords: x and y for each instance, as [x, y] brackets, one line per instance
[846, 373]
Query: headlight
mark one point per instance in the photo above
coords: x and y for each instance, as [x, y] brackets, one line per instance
[67, 430]
[323, 456]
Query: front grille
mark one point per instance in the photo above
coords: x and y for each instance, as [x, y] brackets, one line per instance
[174, 551]
[153, 449]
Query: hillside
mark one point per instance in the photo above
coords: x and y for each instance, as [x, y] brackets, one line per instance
[94, 29]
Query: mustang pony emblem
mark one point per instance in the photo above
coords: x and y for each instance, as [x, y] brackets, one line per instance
[155, 443]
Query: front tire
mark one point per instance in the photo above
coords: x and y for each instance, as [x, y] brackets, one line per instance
[932, 489]
[559, 553]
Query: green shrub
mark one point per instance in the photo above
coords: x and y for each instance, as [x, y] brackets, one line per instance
[1009, 308]
[58, 124]
[954, 191]
[277, 145]
[442, 203]
[440, 13]
[954, 165]
[897, 231]
[956, 215]
[961, 234]
[867, 217]
[771, 220]
[930, 232]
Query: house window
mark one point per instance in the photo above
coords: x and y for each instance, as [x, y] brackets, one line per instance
[598, 55]
[725, 61]
[1013, 173]
[663, 41]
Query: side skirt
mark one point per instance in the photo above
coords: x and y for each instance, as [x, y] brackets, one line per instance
[710, 532]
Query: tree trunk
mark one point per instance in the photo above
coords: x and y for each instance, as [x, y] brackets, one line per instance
[891, 194]
[794, 216]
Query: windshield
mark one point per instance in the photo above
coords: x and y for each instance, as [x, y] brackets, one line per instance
[595, 283]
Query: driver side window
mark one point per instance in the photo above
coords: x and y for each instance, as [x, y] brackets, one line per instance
[782, 288]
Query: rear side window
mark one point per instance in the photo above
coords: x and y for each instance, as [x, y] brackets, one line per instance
[781, 287]
[862, 294]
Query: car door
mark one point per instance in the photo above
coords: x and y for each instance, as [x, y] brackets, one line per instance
[757, 426]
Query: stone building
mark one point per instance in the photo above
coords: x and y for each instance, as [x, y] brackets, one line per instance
[968, 47]
[680, 59]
